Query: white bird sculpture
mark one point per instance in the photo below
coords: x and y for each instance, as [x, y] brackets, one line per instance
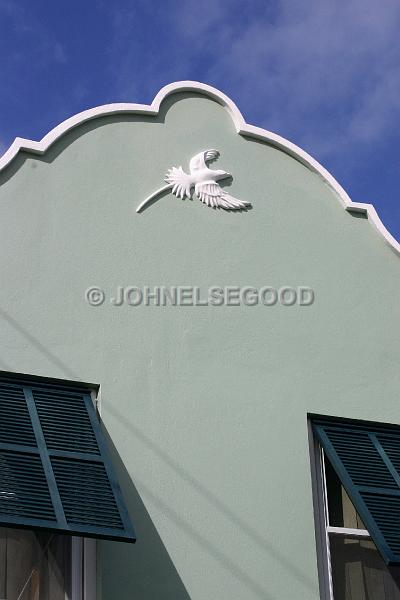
[203, 180]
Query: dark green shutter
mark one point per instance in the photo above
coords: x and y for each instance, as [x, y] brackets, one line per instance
[55, 472]
[366, 458]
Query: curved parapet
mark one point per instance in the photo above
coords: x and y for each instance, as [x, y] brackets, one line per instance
[241, 126]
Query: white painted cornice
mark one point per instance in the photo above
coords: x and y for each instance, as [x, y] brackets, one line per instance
[241, 126]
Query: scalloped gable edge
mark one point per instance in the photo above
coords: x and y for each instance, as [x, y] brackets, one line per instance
[241, 126]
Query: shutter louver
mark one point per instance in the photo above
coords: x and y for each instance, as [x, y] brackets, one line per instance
[55, 473]
[15, 422]
[76, 433]
[366, 458]
[90, 479]
[24, 491]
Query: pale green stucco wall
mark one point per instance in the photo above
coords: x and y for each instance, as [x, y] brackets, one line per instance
[205, 406]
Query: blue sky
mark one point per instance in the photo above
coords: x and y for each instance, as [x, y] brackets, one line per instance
[324, 74]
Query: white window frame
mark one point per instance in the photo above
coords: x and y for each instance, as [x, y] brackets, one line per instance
[83, 569]
[321, 513]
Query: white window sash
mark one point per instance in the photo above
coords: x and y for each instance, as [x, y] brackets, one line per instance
[348, 532]
[83, 569]
[323, 528]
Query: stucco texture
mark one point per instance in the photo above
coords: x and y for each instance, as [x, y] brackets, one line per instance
[205, 407]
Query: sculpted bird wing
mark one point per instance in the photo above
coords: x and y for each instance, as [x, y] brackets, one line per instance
[180, 181]
[201, 159]
[211, 193]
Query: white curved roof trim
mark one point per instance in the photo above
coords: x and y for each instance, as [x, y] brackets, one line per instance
[241, 127]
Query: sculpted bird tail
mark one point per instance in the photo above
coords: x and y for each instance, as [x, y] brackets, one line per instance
[180, 182]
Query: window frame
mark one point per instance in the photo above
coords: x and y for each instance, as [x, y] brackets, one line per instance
[84, 550]
[83, 569]
[119, 526]
[82, 572]
[321, 516]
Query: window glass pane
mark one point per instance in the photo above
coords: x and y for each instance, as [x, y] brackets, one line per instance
[340, 508]
[358, 571]
[34, 566]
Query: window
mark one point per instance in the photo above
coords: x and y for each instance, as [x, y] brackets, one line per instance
[358, 556]
[36, 565]
[58, 490]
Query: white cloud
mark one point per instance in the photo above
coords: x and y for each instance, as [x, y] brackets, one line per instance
[323, 73]
[334, 64]
[59, 53]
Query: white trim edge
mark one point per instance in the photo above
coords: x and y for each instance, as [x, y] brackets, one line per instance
[241, 126]
[348, 532]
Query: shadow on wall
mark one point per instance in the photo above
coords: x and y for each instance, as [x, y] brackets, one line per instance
[147, 566]
[143, 570]
[86, 127]
[235, 570]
